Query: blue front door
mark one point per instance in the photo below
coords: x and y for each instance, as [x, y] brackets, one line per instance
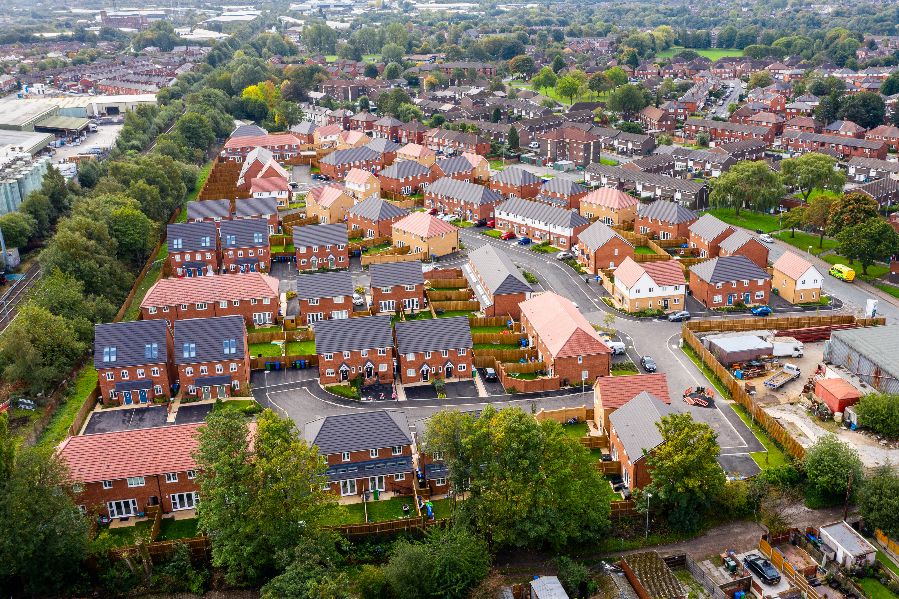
[190, 272]
[126, 395]
[143, 395]
[747, 297]
[730, 299]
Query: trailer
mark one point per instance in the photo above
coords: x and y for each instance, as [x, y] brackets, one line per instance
[783, 376]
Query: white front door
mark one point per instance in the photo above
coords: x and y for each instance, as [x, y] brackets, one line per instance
[348, 487]
[376, 483]
[184, 501]
[122, 508]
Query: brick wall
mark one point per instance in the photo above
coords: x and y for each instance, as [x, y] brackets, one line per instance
[232, 255]
[325, 306]
[706, 292]
[436, 362]
[646, 226]
[754, 250]
[610, 255]
[164, 379]
[397, 293]
[528, 192]
[356, 362]
[380, 228]
[94, 497]
[305, 255]
[246, 308]
[241, 375]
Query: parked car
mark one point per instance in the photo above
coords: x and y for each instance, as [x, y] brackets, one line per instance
[524, 241]
[564, 255]
[762, 568]
[490, 375]
[318, 177]
[481, 222]
[358, 299]
[766, 238]
[618, 348]
[761, 311]
[679, 316]
[432, 211]
[648, 364]
[491, 222]
[534, 145]
[507, 235]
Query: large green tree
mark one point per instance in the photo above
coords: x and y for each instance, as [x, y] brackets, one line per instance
[852, 208]
[748, 184]
[195, 130]
[866, 109]
[686, 476]
[545, 79]
[812, 171]
[312, 570]
[868, 241]
[817, 215]
[628, 99]
[17, 228]
[568, 87]
[879, 500]
[829, 465]
[65, 296]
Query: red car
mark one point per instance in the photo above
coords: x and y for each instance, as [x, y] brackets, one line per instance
[508, 235]
[491, 223]
[432, 211]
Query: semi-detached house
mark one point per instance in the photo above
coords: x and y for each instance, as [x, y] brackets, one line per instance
[324, 296]
[515, 182]
[283, 146]
[664, 220]
[439, 348]
[498, 284]
[405, 177]
[321, 246]
[600, 247]
[634, 434]
[133, 361]
[374, 217]
[259, 207]
[729, 280]
[397, 286]
[468, 201]
[847, 147]
[350, 349]
[656, 285]
[193, 249]
[214, 211]
[707, 233]
[540, 222]
[328, 204]
[245, 246]
[563, 193]
[339, 162]
[212, 356]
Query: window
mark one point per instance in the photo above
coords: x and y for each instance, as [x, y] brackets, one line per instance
[124, 375]
[346, 354]
[254, 301]
[345, 456]
[184, 306]
[746, 283]
[165, 308]
[154, 371]
[229, 346]
[348, 487]
[232, 367]
[382, 351]
[580, 359]
[329, 356]
[410, 372]
[399, 476]
[177, 244]
[338, 299]
[716, 299]
[427, 355]
[107, 484]
[219, 369]
[382, 367]
[191, 474]
[140, 373]
[201, 305]
[235, 303]
[171, 477]
[110, 376]
[437, 456]
[313, 301]
[223, 304]
[204, 369]
[461, 351]
[409, 287]
[157, 389]
[152, 309]
[759, 295]
[189, 350]
[135, 481]
[444, 353]
[364, 353]
[386, 289]
[109, 354]
[397, 449]
[189, 371]
[440, 481]
[462, 367]
[372, 453]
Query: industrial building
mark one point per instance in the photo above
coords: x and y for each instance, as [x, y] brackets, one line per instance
[870, 353]
[20, 174]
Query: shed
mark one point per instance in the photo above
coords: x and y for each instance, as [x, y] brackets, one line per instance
[837, 393]
[739, 348]
[547, 587]
[846, 546]
[870, 353]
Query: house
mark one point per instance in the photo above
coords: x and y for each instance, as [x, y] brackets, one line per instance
[254, 296]
[439, 348]
[656, 119]
[305, 131]
[214, 211]
[387, 127]
[329, 204]
[469, 201]
[351, 139]
[846, 546]
[540, 222]
[321, 246]
[374, 217]
[726, 131]
[796, 280]
[633, 435]
[742, 243]
[133, 361]
[266, 208]
[411, 132]
[845, 129]
[366, 452]
[245, 245]
[610, 206]
[569, 143]
[888, 134]
[846, 147]
[664, 220]
[883, 191]
[862, 170]
[360, 184]
[193, 249]
[802, 124]
[563, 193]
[422, 232]
[386, 148]
[610, 393]
[212, 356]
[453, 142]
[498, 284]
[693, 194]
[837, 393]
[728, 281]
[327, 136]
[405, 178]
[348, 349]
[363, 121]
[707, 233]
[260, 164]
[324, 296]
[515, 182]
[634, 144]
[397, 286]
[600, 247]
[459, 167]
[338, 163]
[153, 466]
[661, 164]
[565, 341]
[418, 153]
[650, 285]
[282, 146]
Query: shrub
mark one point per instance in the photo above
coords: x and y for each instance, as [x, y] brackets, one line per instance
[372, 583]
[879, 412]
[572, 575]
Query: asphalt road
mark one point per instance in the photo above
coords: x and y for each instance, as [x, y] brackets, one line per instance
[732, 98]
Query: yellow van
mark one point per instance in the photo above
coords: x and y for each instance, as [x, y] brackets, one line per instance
[842, 272]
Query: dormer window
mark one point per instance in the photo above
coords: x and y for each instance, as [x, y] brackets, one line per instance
[177, 243]
[257, 237]
[205, 241]
[109, 354]
[230, 239]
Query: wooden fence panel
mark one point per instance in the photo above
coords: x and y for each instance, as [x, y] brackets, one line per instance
[456, 305]
[563, 415]
[446, 295]
[500, 338]
[446, 282]
[369, 259]
[84, 411]
[491, 321]
[445, 273]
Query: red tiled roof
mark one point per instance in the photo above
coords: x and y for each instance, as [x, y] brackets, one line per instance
[424, 225]
[610, 198]
[255, 141]
[266, 184]
[140, 452]
[415, 150]
[326, 195]
[329, 130]
[358, 176]
[792, 265]
[561, 326]
[663, 272]
[615, 391]
[168, 292]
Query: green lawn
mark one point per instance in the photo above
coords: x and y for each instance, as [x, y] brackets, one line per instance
[710, 53]
[267, 350]
[884, 559]
[875, 271]
[270, 329]
[301, 348]
[202, 176]
[125, 536]
[233, 405]
[171, 529]
[58, 428]
[425, 315]
[488, 329]
[747, 219]
[524, 376]
[550, 92]
[823, 193]
[890, 289]
[496, 346]
[153, 275]
[874, 589]
[643, 249]
[803, 240]
[497, 165]
[576, 431]
[378, 511]
[545, 248]
[443, 508]
[624, 369]
[348, 391]
[608, 161]
[774, 456]
[289, 248]
[451, 313]
[376, 248]
[495, 233]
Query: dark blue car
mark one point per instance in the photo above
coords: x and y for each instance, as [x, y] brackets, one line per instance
[762, 311]
[524, 241]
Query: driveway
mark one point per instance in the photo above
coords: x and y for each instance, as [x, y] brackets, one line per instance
[191, 413]
[454, 390]
[125, 420]
[492, 387]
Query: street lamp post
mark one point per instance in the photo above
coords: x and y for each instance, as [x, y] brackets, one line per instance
[648, 497]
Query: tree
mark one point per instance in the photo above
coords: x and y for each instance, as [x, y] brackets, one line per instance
[545, 79]
[392, 71]
[257, 503]
[686, 476]
[392, 53]
[64, 296]
[195, 130]
[599, 83]
[702, 139]
[890, 85]
[879, 412]
[247, 74]
[530, 483]
[448, 563]
[748, 184]
[319, 38]
[793, 218]
[879, 500]
[522, 65]
[866, 109]
[628, 99]
[812, 171]
[829, 465]
[37, 207]
[134, 233]
[17, 228]
[568, 87]
[616, 75]
[512, 139]
[828, 109]
[868, 241]
[760, 79]
[630, 127]
[817, 216]
[311, 571]
[43, 536]
[852, 208]
[390, 102]
[558, 63]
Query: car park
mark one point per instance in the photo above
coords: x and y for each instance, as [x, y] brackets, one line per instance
[679, 316]
[648, 364]
[507, 235]
[766, 238]
[564, 255]
[761, 311]
[762, 568]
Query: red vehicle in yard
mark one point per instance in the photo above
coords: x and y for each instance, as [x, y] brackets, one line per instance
[508, 235]
[491, 223]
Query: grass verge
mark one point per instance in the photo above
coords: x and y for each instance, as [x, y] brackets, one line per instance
[802, 241]
[58, 428]
[874, 589]
[875, 271]
[774, 455]
[889, 289]
[301, 348]
[348, 391]
[748, 220]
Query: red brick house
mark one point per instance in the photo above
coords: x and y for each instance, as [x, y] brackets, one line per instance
[540, 222]
[610, 393]
[348, 349]
[599, 247]
[387, 127]
[374, 217]
[563, 193]
[725, 131]
[133, 361]
[634, 434]
[498, 284]
[265, 208]
[259, 165]
[707, 233]
[338, 163]
[283, 146]
[405, 177]
[366, 452]
[254, 296]
[741, 243]
[885, 133]
[515, 182]
[321, 246]
[847, 147]
[845, 129]
[397, 286]
[363, 121]
[469, 201]
[664, 220]
[212, 356]
[193, 249]
[152, 466]
[456, 167]
[440, 348]
[574, 144]
[568, 344]
[453, 142]
[245, 246]
[728, 281]
[324, 296]
[656, 119]
[210, 211]
[412, 132]
[802, 124]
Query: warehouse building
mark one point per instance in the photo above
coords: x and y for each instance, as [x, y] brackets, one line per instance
[871, 354]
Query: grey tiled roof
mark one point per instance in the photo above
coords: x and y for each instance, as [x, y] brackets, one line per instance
[382, 145]
[465, 192]
[130, 340]
[350, 155]
[404, 169]
[454, 164]
[245, 232]
[735, 241]
[515, 176]
[208, 209]
[709, 227]
[497, 271]
[542, 213]
[244, 207]
[304, 128]
[665, 211]
[324, 284]
[352, 334]
[388, 121]
[728, 268]
[635, 424]
[598, 234]
[563, 186]
[320, 235]
[382, 467]
[375, 209]
[437, 334]
[881, 190]
[396, 273]
[209, 334]
[358, 431]
[191, 236]
[248, 131]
